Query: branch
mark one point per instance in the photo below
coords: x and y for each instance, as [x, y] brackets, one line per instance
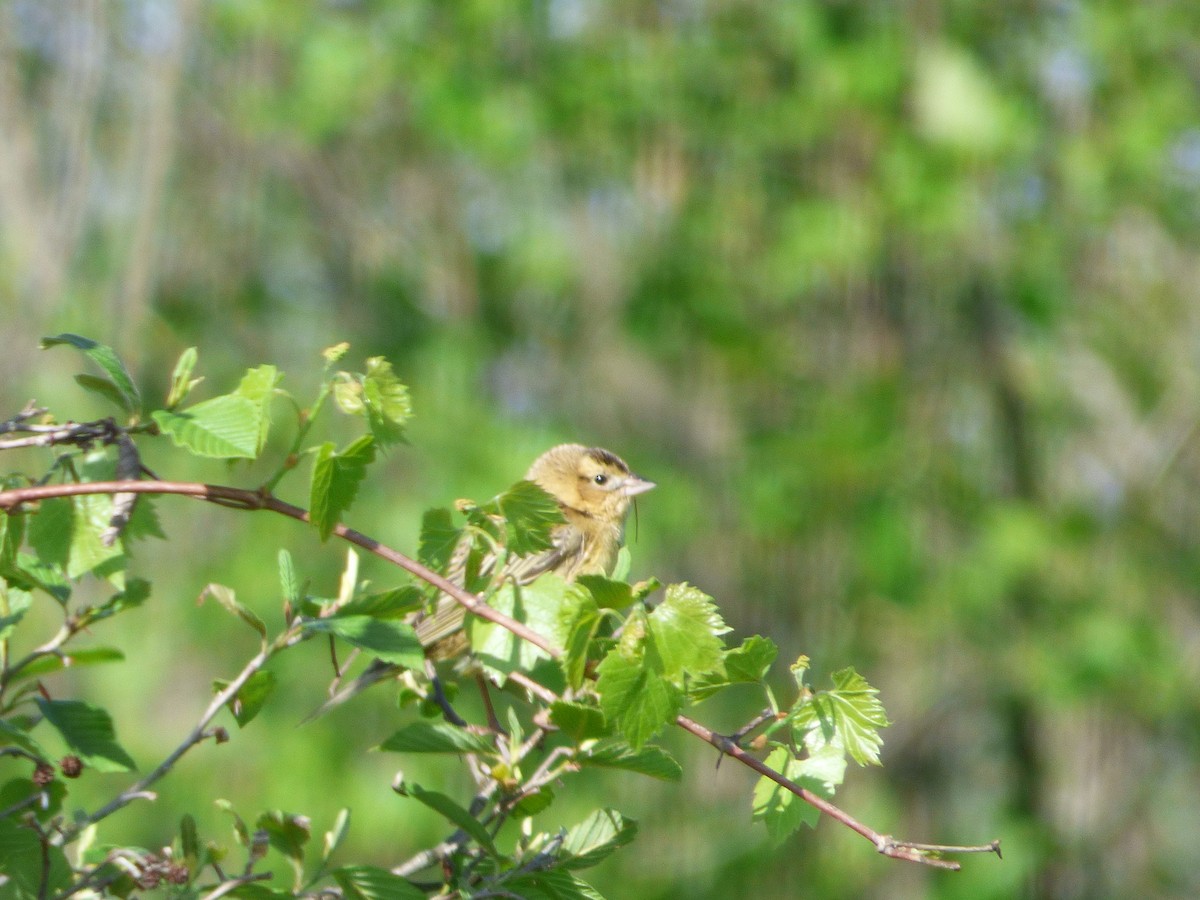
[256, 500]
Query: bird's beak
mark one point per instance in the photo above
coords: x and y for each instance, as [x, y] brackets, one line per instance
[634, 486]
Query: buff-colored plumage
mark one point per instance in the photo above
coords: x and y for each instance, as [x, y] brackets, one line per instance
[594, 489]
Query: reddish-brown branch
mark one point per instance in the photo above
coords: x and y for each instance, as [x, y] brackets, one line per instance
[252, 500]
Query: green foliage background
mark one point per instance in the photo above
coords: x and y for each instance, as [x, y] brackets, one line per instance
[897, 302]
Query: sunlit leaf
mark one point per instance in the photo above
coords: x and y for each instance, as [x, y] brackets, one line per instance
[106, 358]
[225, 427]
[88, 731]
[596, 837]
[391, 640]
[437, 737]
[335, 480]
[371, 883]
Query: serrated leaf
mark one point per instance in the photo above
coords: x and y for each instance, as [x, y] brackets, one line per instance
[614, 754]
[578, 721]
[780, 810]
[530, 515]
[823, 770]
[536, 605]
[439, 537]
[635, 698]
[335, 480]
[388, 404]
[550, 884]
[851, 712]
[596, 837]
[106, 358]
[392, 641]
[371, 883]
[181, 378]
[448, 809]
[251, 697]
[89, 553]
[88, 731]
[437, 737]
[745, 664]
[686, 629]
[225, 427]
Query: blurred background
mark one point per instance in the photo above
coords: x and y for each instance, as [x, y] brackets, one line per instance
[897, 302]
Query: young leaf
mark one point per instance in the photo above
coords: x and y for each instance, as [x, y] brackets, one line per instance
[851, 711]
[550, 884]
[390, 640]
[596, 837]
[181, 379]
[614, 754]
[335, 835]
[745, 664]
[88, 731]
[530, 515]
[225, 427]
[387, 402]
[686, 628]
[448, 809]
[437, 737]
[335, 481]
[258, 386]
[289, 581]
[14, 603]
[391, 604]
[288, 833]
[371, 883]
[105, 389]
[107, 359]
[578, 621]
[635, 698]
[607, 593]
[499, 650]
[250, 699]
[781, 811]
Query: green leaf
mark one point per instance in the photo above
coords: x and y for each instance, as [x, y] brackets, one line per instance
[392, 641]
[448, 809]
[92, 515]
[107, 359]
[31, 870]
[258, 386]
[371, 883]
[189, 841]
[530, 515]
[251, 697]
[614, 754]
[578, 621]
[225, 427]
[578, 721]
[745, 664]
[635, 698]
[288, 833]
[14, 603]
[439, 537]
[88, 731]
[87, 656]
[289, 581]
[536, 605]
[851, 711]
[13, 736]
[228, 599]
[181, 378]
[16, 792]
[104, 389]
[336, 835]
[596, 837]
[780, 810]
[437, 737]
[335, 480]
[685, 629]
[390, 604]
[607, 593]
[550, 884]
[387, 402]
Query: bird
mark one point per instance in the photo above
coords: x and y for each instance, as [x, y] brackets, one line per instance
[593, 488]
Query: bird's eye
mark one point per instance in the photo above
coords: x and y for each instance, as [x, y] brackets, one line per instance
[600, 479]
